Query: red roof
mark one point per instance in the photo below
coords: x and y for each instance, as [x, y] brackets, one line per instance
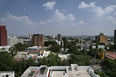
[111, 56]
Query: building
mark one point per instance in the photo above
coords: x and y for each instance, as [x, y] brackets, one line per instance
[60, 71]
[59, 37]
[30, 36]
[101, 38]
[7, 74]
[38, 40]
[3, 36]
[114, 36]
[11, 40]
[53, 36]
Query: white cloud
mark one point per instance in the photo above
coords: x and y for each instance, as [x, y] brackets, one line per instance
[99, 12]
[78, 23]
[42, 22]
[64, 10]
[24, 9]
[49, 5]
[60, 17]
[103, 12]
[83, 5]
[19, 25]
[112, 20]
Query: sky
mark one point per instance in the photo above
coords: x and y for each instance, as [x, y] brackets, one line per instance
[65, 17]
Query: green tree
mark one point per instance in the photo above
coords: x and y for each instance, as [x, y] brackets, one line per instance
[47, 43]
[64, 62]
[102, 74]
[55, 48]
[12, 51]
[73, 43]
[65, 43]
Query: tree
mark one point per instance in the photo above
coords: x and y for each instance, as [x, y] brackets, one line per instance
[43, 61]
[55, 48]
[12, 51]
[102, 74]
[65, 43]
[47, 43]
[20, 47]
[64, 62]
[73, 43]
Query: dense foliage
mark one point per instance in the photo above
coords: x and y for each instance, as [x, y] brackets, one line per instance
[8, 64]
[47, 43]
[101, 74]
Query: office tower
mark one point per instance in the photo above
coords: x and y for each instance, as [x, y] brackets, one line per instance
[53, 36]
[59, 36]
[30, 36]
[114, 36]
[38, 39]
[3, 35]
[101, 38]
[11, 40]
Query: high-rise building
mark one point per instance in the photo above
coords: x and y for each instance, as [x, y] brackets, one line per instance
[59, 36]
[101, 38]
[30, 36]
[3, 35]
[53, 36]
[11, 40]
[114, 36]
[38, 39]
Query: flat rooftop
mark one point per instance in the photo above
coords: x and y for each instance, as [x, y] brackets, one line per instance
[4, 73]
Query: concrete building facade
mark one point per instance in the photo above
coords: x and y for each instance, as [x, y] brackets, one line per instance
[3, 36]
[11, 40]
[38, 40]
[53, 36]
[114, 36]
[101, 38]
[59, 36]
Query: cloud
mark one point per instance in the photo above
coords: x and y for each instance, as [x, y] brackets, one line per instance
[49, 5]
[64, 10]
[42, 22]
[78, 23]
[100, 13]
[60, 17]
[18, 25]
[83, 5]
[24, 9]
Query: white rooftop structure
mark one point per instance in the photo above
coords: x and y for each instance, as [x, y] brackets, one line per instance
[60, 71]
[5, 47]
[7, 74]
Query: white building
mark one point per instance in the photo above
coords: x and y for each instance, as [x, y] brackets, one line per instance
[30, 36]
[11, 40]
[60, 71]
[53, 36]
[7, 74]
[5, 47]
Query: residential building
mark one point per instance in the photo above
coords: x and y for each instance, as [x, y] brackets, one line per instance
[114, 36]
[3, 36]
[59, 37]
[60, 71]
[7, 74]
[38, 40]
[111, 55]
[5, 48]
[11, 40]
[101, 38]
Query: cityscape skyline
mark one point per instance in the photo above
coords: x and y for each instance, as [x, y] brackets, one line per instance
[59, 17]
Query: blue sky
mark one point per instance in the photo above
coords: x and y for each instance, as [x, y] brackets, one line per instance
[67, 17]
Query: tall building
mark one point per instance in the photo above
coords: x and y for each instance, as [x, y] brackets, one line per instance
[114, 36]
[53, 36]
[38, 39]
[3, 35]
[30, 36]
[101, 38]
[11, 40]
[59, 36]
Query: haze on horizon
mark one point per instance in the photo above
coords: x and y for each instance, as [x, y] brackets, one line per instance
[67, 17]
